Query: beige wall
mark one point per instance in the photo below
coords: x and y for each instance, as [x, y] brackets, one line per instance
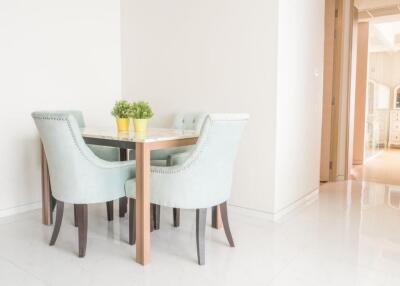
[384, 68]
[212, 56]
[222, 56]
[53, 55]
[299, 93]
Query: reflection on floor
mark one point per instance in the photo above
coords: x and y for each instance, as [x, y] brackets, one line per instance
[371, 152]
[383, 168]
[349, 236]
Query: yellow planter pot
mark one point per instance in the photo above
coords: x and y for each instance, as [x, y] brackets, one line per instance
[123, 124]
[140, 125]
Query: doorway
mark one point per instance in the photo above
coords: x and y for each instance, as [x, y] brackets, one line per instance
[381, 161]
[361, 93]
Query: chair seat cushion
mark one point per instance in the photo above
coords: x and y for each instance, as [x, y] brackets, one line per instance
[130, 191]
[161, 163]
[130, 188]
[110, 154]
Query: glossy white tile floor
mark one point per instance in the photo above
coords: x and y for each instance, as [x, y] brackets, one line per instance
[349, 236]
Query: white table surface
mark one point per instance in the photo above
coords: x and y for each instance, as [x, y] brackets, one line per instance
[152, 134]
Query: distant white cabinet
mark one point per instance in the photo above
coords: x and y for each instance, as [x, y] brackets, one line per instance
[394, 134]
[377, 117]
[396, 97]
[378, 128]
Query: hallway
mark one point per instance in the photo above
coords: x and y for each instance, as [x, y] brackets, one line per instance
[383, 168]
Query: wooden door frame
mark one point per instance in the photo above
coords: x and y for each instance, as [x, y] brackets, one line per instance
[339, 89]
[361, 93]
[349, 79]
[351, 92]
[329, 51]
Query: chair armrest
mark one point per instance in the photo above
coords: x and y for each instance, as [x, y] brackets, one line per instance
[106, 153]
[178, 159]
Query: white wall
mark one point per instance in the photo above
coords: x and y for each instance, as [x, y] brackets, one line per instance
[384, 68]
[299, 94]
[190, 55]
[209, 56]
[53, 55]
[223, 56]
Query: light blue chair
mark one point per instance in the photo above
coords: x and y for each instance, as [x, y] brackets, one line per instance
[167, 157]
[104, 152]
[200, 180]
[111, 154]
[182, 121]
[77, 175]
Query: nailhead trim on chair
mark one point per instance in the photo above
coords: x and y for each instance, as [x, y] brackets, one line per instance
[187, 164]
[65, 118]
[192, 159]
[154, 169]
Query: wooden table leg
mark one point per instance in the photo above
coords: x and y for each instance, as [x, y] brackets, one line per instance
[142, 203]
[47, 214]
[216, 217]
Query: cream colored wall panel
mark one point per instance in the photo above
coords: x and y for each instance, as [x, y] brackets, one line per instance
[53, 55]
[184, 56]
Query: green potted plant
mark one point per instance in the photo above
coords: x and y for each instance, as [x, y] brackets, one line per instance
[140, 112]
[121, 111]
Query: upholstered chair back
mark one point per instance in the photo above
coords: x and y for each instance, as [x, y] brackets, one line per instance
[189, 121]
[73, 167]
[182, 121]
[104, 152]
[214, 155]
[204, 179]
[78, 115]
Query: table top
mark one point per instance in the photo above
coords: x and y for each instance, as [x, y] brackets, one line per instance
[152, 135]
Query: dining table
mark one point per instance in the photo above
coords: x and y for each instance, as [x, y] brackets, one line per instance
[143, 144]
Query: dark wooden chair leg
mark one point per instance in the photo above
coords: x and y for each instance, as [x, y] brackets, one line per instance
[82, 211]
[53, 203]
[132, 222]
[157, 214]
[57, 225]
[201, 217]
[225, 222]
[177, 217]
[123, 203]
[110, 210]
[75, 216]
[152, 217]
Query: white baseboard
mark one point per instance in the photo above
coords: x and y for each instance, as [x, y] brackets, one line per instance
[305, 200]
[20, 209]
[250, 212]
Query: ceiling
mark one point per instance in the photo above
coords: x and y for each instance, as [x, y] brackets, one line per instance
[373, 9]
[384, 37]
[384, 19]
[374, 4]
